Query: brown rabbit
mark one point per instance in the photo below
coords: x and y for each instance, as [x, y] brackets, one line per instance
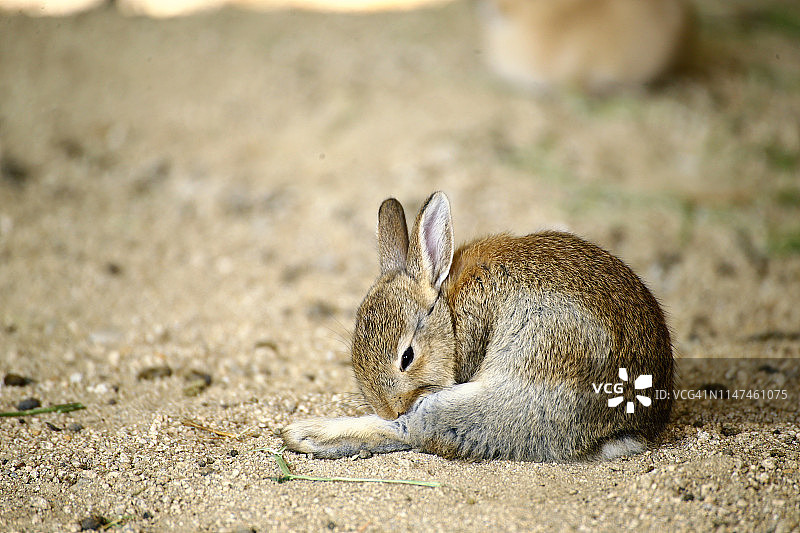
[506, 348]
[595, 45]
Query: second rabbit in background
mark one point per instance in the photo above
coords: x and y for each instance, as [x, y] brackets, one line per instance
[592, 45]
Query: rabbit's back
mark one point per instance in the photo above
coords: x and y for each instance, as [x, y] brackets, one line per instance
[553, 308]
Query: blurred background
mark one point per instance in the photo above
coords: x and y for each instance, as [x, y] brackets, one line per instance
[205, 186]
[163, 8]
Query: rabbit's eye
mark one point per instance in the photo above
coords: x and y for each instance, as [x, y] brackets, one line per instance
[408, 357]
[433, 306]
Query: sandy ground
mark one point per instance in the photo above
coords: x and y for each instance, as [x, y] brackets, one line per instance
[201, 193]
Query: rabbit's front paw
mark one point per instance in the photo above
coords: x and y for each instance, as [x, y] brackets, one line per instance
[331, 438]
[315, 436]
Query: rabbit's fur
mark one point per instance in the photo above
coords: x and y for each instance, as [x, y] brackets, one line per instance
[508, 335]
[596, 45]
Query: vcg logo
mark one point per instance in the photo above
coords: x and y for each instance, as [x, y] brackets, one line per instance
[645, 381]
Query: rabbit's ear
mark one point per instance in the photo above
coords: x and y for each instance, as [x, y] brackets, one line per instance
[431, 250]
[392, 236]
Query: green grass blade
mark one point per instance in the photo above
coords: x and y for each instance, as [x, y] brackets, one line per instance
[118, 522]
[61, 408]
[432, 484]
[281, 463]
[286, 474]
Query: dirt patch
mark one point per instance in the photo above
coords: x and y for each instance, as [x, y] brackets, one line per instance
[187, 213]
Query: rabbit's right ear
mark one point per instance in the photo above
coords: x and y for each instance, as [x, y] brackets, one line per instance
[430, 254]
[392, 236]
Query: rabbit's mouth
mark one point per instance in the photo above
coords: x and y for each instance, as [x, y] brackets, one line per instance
[383, 406]
[405, 402]
[393, 408]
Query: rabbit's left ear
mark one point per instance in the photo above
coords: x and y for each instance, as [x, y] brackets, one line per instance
[392, 236]
[430, 253]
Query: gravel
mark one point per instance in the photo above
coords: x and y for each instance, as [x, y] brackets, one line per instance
[201, 202]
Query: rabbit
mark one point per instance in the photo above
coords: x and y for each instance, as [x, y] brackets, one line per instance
[593, 45]
[497, 350]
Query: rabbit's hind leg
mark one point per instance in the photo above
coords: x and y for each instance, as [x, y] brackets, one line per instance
[497, 419]
[622, 446]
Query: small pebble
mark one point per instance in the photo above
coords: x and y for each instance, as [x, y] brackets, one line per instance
[364, 454]
[13, 170]
[71, 148]
[769, 369]
[707, 489]
[233, 453]
[15, 380]
[92, 523]
[198, 382]
[267, 343]
[52, 427]
[717, 390]
[113, 268]
[74, 427]
[103, 337]
[196, 375]
[28, 403]
[100, 388]
[147, 515]
[645, 468]
[154, 372]
[40, 503]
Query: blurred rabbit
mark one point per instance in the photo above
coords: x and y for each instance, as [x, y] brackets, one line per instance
[498, 349]
[594, 45]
